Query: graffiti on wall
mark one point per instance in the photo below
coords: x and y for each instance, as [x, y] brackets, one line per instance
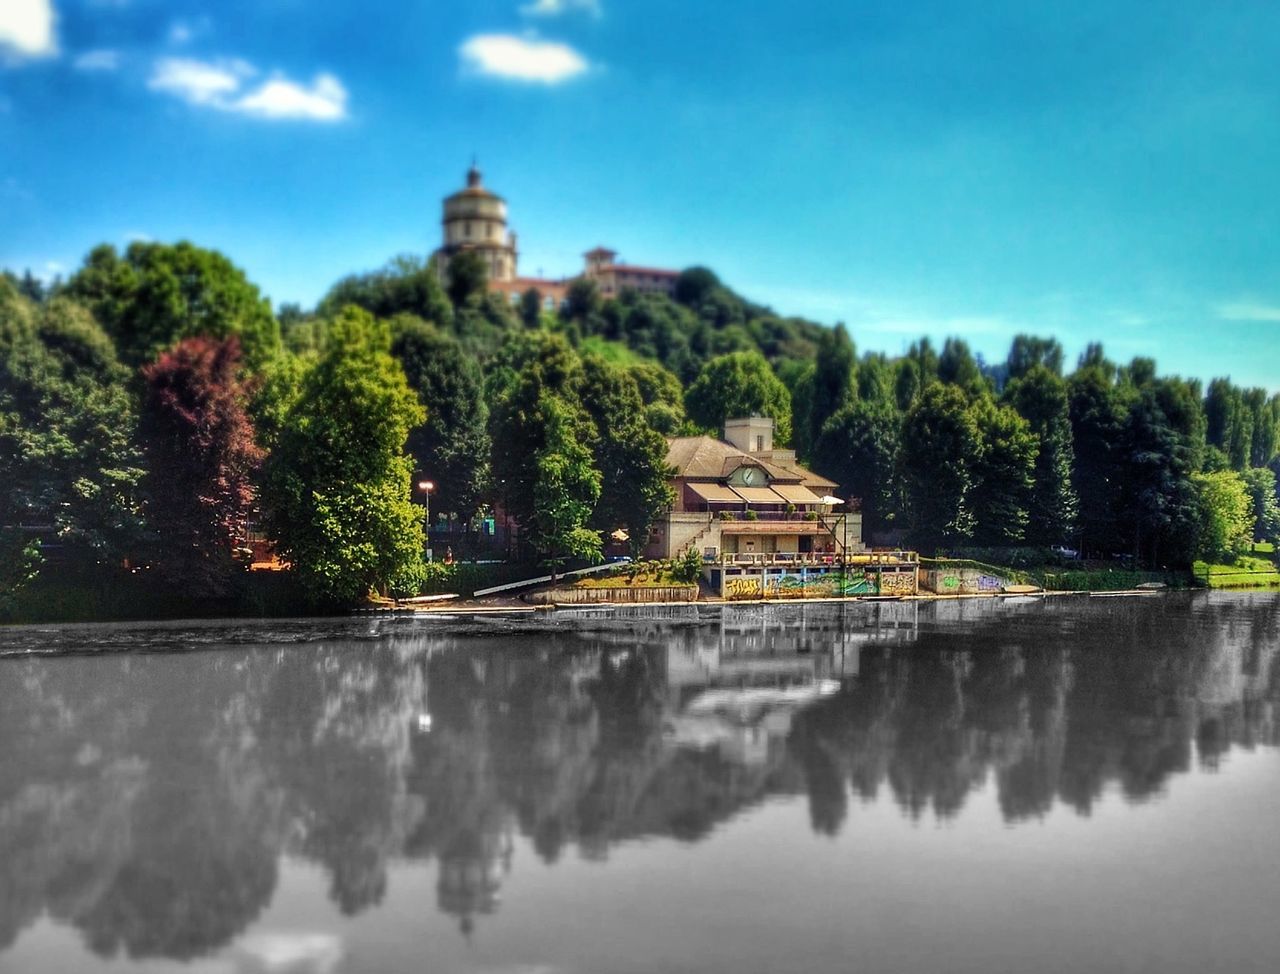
[898, 583]
[990, 583]
[743, 587]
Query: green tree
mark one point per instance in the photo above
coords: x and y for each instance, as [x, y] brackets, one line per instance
[957, 366]
[530, 367]
[1265, 416]
[1040, 397]
[531, 308]
[630, 455]
[739, 385]
[68, 463]
[1028, 351]
[468, 278]
[338, 486]
[582, 301]
[1098, 411]
[452, 447]
[1229, 423]
[157, 294]
[695, 285]
[1162, 447]
[1260, 482]
[406, 285]
[858, 448]
[875, 378]
[1224, 515]
[940, 446]
[829, 387]
[565, 490]
[663, 396]
[1003, 473]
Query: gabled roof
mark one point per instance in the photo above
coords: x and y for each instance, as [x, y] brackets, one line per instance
[706, 458]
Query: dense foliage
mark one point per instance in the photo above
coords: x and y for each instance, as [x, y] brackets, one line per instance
[132, 431]
[201, 460]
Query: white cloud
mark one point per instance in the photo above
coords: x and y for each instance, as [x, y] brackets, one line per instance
[99, 60]
[26, 28]
[554, 8]
[180, 33]
[199, 82]
[324, 101]
[519, 59]
[1248, 311]
[222, 85]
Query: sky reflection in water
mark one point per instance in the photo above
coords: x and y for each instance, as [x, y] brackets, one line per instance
[962, 786]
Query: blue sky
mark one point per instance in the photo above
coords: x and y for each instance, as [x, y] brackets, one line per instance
[1092, 170]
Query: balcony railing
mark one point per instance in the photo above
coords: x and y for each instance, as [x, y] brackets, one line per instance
[828, 559]
[754, 515]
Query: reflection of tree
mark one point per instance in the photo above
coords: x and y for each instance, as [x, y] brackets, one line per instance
[334, 726]
[153, 823]
[1120, 696]
[147, 799]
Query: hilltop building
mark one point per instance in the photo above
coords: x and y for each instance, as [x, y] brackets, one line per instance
[475, 219]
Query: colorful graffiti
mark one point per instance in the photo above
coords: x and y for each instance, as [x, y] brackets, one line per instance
[806, 584]
[898, 583]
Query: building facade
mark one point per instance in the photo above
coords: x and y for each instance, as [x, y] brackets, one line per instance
[475, 219]
[767, 527]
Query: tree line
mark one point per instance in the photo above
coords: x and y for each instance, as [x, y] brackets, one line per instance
[154, 406]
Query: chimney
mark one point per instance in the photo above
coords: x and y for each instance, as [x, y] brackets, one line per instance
[751, 435]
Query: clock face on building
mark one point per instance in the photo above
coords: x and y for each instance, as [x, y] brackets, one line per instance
[753, 477]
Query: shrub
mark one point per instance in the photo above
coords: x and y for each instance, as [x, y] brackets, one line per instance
[688, 567]
[752, 516]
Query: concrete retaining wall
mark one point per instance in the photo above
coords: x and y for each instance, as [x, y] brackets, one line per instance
[590, 596]
[961, 581]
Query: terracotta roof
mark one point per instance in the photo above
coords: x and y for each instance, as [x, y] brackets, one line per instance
[706, 458]
[633, 269]
[474, 191]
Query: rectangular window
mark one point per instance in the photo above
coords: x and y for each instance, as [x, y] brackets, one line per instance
[759, 444]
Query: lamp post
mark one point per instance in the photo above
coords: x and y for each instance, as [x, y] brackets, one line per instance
[427, 486]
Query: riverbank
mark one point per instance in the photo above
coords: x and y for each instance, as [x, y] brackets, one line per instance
[509, 606]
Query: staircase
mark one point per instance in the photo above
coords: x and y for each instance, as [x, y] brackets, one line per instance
[696, 541]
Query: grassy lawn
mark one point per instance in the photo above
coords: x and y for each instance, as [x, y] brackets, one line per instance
[643, 574]
[1250, 571]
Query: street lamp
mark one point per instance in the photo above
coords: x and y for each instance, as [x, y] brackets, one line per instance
[427, 486]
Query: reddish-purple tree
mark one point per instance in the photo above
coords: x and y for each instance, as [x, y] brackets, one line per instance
[201, 458]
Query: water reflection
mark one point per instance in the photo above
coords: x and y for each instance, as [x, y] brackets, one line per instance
[147, 799]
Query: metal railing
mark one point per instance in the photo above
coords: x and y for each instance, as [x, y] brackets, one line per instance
[815, 558]
[757, 516]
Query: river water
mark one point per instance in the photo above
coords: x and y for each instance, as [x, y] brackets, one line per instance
[1074, 784]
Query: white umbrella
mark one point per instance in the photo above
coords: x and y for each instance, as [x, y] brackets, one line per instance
[830, 499]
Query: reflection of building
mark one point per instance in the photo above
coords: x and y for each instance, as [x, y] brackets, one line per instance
[471, 873]
[475, 220]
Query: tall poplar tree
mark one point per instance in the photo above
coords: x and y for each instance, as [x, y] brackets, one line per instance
[1040, 397]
